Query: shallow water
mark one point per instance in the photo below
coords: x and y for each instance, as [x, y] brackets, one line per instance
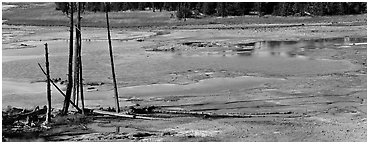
[135, 66]
[203, 86]
[133, 63]
[109, 126]
[284, 48]
[36, 139]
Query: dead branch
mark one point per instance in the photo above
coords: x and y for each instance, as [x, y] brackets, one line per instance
[125, 115]
[11, 118]
[61, 92]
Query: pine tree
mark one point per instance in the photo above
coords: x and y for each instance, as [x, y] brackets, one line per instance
[208, 8]
[221, 9]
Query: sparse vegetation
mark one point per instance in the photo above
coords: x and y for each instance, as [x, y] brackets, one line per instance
[147, 19]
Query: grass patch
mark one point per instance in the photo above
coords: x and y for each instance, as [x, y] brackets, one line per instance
[44, 14]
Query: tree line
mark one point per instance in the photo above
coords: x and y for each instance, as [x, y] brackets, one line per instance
[194, 9]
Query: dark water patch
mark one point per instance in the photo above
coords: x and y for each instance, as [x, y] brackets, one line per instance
[275, 57]
[162, 33]
[22, 136]
[23, 139]
[292, 48]
[111, 126]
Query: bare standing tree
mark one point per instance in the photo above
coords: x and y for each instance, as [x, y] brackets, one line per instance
[76, 61]
[48, 111]
[70, 64]
[79, 57]
[76, 69]
[107, 8]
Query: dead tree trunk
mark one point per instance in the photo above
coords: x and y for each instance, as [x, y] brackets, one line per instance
[81, 85]
[80, 55]
[76, 66]
[112, 59]
[70, 66]
[48, 95]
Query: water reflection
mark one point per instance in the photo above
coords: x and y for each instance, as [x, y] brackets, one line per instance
[114, 126]
[117, 129]
[294, 49]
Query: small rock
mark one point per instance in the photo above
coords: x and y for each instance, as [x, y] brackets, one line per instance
[139, 134]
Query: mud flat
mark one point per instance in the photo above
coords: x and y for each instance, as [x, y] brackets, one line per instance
[315, 72]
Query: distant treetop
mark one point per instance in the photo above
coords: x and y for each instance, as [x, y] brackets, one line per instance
[193, 9]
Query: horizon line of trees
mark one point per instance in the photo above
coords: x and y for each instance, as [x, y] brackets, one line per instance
[193, 9]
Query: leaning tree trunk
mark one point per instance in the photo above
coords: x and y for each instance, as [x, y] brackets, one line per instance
[112, 60]
[70, 66]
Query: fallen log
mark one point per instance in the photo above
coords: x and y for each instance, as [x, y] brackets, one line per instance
[36, 111]
[229, 115]
[125, 115]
